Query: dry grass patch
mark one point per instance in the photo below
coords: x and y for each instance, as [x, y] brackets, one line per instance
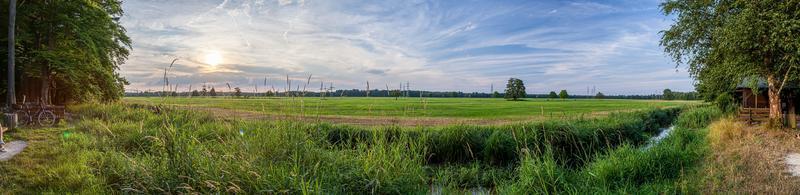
[748, 159]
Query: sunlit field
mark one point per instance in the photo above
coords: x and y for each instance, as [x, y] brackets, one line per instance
[468, 108]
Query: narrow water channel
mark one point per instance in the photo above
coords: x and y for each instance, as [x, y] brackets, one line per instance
[664, 132]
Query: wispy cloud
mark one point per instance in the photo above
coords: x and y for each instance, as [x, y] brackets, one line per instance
[435, 45]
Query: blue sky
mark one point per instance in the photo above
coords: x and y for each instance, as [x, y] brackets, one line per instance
[462, 45]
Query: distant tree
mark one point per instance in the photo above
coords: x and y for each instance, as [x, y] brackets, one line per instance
[269, 94]
[563, 94]
[204, 92]
[213, 92]
[495, 94]
[195, 93]
[515, 89]
[395, 93]
[552, 95]
[237, 92]
[668, 95]
[600, 95]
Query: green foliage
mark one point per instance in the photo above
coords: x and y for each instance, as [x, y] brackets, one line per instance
[76, 44]
[667, 95]
[727, 42]
[495, 94]
[515, 89]
[213, 92]
[600, 95]
[563, 94]
[552, 95]
[725, 102]
[236, 92]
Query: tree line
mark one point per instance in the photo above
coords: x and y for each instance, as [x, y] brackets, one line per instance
[66, 51]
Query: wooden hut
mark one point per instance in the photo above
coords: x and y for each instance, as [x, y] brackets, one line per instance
[754, 104]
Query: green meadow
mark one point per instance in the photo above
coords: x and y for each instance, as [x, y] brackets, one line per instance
[471, 108]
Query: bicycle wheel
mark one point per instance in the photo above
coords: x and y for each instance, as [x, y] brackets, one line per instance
[47, 118]
[23, 118]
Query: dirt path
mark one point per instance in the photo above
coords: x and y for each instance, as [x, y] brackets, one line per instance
[793, 161]
[11, 149]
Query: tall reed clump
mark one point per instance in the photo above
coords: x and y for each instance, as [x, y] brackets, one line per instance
[625, 169]
[699, 117]
[185, 152]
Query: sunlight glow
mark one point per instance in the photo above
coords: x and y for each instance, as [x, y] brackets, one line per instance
[213, 58]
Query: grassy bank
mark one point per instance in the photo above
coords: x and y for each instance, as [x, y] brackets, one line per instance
[114, 148]
[628, 169]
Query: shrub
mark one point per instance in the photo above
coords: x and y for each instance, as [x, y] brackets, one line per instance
[725, 102]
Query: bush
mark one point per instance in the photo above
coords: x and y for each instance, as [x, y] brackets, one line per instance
[725, 102]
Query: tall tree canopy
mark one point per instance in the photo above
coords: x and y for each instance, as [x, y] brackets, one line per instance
[68, 50]
[515, 89]
[563, 94]
[724, 42]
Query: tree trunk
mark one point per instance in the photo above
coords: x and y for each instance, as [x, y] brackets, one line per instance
[774, 89]
[45, 84]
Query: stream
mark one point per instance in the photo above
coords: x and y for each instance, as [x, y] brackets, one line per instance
[661, 135]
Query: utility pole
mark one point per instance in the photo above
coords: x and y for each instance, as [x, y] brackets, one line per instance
[10, 116]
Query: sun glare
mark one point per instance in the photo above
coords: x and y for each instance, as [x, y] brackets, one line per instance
[213, 58]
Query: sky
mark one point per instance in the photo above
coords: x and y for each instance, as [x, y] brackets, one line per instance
[437, 45]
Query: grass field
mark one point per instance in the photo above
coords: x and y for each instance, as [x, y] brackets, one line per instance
[119, 148]
[467, 108]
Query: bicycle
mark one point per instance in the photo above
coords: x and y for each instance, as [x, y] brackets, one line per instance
[41, 112]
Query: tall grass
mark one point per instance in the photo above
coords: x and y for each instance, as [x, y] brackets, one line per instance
[152, 149]
[627, 169]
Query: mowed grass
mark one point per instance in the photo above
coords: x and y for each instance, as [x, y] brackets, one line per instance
[472, 108]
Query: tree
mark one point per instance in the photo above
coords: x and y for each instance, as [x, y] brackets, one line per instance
[76, 45]
[395, 93]
[204, 92]
[237, 92]
[726, 42]
[600, 95]
[495, 94]
[213, 92]
[515, 89]
[563, 94]
[668, 95]
[195, 93]
[552, 95]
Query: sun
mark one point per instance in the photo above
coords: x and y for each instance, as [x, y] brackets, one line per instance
[213, 58]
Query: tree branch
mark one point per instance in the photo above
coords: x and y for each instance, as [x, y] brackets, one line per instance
[785, 77]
